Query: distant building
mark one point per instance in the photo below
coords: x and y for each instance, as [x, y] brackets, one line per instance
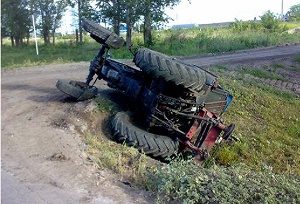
[286, 17]
[195, 25]
[221, 24]
[184, 26]
[123, 29]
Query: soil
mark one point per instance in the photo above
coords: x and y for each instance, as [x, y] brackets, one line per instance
[44, 159]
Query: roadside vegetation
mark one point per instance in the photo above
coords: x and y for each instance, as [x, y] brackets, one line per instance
[182, 42]
[264, 167]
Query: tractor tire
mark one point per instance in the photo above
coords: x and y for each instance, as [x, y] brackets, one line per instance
[76, 89]
[159, 65]
[156, 146]
[102, 35]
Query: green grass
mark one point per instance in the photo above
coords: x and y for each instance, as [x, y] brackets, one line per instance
[13, 57]
[268, 124]
[183, 43]
[127, 162]
[297, 58]
[106, 106]
[262, 74]
[60, 53]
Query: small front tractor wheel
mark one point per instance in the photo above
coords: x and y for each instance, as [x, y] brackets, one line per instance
[76, 89]
[102, 35]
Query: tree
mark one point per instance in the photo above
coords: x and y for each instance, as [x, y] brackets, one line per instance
[131, 11]
[114, 11]
[295, 12]
[153, 13]
[50, 12]
[118, 12]
[270, 21]
[84, 10]
[57, 16]
[15, 22]
[132, 17]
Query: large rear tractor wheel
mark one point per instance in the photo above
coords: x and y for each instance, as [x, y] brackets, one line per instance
[159, 65]
[157, 146]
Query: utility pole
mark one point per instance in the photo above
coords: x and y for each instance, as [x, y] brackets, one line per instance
[282, 10]
[36, 43]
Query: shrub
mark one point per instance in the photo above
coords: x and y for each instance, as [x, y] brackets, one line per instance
[187, 182]
[270, 21]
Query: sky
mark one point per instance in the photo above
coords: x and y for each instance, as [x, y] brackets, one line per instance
[212, 11]
[216, 11]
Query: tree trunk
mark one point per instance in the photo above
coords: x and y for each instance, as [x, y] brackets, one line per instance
[147, 26]
[45, 39]
[46, 31]
[116, 18]
[27, 38]
[17, 39]
[46, 36]
[53, 37]
[129, 27]
[12, 40]
[76, 33]
[20, 37]
[116, 25]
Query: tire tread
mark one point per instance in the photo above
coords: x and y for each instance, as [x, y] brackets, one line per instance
[160, 65]
[157, 146]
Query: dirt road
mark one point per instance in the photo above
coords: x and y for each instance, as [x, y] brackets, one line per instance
[268, 54]
[30, 103]
[42, 163]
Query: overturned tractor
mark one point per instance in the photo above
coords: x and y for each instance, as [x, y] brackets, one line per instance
[180, 105]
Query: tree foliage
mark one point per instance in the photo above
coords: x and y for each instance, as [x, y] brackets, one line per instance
[50, 12]
[295, 12]
[84, 10]
[149, 12]
[114, 11]
[240, 25]
[15, 22]
[153, 14]
[270, 21]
